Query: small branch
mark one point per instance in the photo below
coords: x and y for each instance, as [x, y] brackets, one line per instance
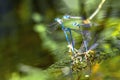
[97, 10]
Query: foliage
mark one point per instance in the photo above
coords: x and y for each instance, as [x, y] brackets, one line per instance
[29, 51]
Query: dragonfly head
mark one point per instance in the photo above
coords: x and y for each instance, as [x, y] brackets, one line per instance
[58, 20]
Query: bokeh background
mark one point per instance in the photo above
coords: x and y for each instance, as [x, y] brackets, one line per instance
[29, 45]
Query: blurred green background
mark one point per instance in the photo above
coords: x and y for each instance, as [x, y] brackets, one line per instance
[28, 48]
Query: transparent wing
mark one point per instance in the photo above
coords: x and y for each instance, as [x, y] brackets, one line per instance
[52, 27]
[94, 46]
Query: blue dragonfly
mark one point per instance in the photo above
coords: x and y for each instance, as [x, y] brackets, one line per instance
[68, 30]
[86, 35]
[67, 17]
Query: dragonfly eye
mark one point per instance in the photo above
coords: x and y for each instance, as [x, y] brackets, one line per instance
[66, 17]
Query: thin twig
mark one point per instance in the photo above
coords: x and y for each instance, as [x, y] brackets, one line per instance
[97, 10]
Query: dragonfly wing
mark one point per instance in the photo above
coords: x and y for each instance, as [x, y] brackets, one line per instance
[52, 27]
[52, 24]
[93, 46]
